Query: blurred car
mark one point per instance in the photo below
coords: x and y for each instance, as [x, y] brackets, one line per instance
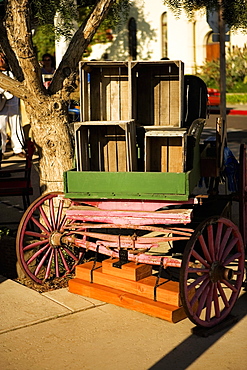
[213, 97]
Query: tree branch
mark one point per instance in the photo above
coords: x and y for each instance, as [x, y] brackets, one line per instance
[78, 44]
[14, 87]
[20, 38]
[12, 60]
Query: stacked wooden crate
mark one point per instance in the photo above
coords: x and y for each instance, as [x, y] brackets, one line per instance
[117, 98]
[159, 98]
[105, 139]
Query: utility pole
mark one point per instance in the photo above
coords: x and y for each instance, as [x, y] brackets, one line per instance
[222, 35]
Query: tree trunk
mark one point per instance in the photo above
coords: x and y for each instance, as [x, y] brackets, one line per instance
[52, 136]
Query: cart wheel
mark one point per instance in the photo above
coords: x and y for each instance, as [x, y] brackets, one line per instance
[243, 194]
[40, 251]
[212, 271]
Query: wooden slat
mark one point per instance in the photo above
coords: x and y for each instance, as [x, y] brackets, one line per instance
[174, 103]
[176, 157]
[127, 300]
[114, 93]
[115, 156]
[95, 96]
[162, 103]
[124, 97]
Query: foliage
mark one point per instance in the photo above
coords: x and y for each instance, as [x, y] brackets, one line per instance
[234, 11]
[44, 40]
[236, 71]
[45, 11]
[46, 32]
[236, 98]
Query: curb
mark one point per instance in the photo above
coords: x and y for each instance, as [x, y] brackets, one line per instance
[237, 112]
[229, 111]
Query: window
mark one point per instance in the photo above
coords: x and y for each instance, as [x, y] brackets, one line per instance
[132, 38]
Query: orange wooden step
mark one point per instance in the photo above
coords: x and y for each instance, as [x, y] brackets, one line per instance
[130, 270]
[127, 300]
[168, 292]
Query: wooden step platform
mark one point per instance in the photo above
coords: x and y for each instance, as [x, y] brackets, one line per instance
[131, 286]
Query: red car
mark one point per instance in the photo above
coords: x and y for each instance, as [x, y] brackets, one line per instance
[213, 97]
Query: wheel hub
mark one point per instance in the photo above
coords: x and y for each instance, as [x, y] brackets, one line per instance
[55, 239]
[219, 272]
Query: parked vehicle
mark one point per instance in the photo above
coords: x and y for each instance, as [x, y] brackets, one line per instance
[213, 97]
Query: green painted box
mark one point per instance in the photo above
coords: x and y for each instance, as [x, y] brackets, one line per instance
[129, 185]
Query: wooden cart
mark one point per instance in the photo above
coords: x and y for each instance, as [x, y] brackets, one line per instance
[158, 248]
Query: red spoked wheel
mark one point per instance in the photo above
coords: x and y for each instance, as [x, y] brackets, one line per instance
[212, 271]
[40, 251]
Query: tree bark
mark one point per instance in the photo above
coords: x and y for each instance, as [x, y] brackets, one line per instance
[47, 109]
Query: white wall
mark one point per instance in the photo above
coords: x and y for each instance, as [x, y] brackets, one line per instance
[186, 39]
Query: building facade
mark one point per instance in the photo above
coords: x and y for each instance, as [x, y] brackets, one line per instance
[153, 32]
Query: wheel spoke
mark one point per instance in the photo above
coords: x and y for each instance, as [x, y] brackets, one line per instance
[199, 258]
[230, 246]
[45, 218]
[52, 213]
[56, 263]
[196, 270]
[199, 291]
[196, 282]
[222, 294]
[209, 302]
[62, 223]
[41, 263]
[224, 241]
[48, 268]
[216, 301]
[204, 248]
[37, 254]
[70, 254]
[64, 260]
[202, 300]
[229, 285]
[40, 226]
[34, 245]
[218, 239]
[35, 234]
[211, 242]
[59, 213]
[231, 259]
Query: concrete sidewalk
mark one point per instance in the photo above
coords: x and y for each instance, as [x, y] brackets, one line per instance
[60, 330]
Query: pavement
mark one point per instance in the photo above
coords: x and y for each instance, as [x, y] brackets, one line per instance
[61, 330]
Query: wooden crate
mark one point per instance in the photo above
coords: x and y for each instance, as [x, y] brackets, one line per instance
[152, 93]
[106, 146]
[105, 91]
[157, 93]
[165, 149]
